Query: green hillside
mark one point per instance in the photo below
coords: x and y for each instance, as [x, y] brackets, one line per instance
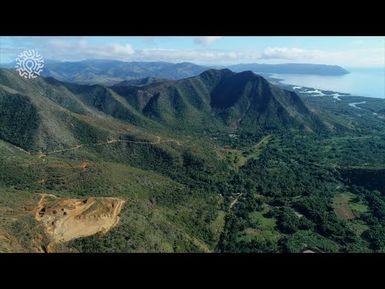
[218, 162]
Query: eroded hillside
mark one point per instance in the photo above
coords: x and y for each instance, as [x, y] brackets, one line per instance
[61, 220]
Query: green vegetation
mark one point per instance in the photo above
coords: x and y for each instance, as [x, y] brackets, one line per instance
[307, 240]
[239, 158]
[18, 118]
[221, 162]
[348, 206]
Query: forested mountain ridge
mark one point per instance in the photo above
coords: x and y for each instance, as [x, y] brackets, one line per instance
[218, 162]
[221, 97]
[216, 99]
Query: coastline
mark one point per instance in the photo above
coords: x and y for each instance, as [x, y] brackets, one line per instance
[371, 105]
[366, 83]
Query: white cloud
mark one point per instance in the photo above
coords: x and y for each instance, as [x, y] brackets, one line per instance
[289, 53]
[364, 57]
[206, 40]
[75, 48]
[125, 49]
[78, 50]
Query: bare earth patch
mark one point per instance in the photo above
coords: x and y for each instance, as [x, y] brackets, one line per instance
[252, 232]
[342, 208]
[68, 219]
[48, 222]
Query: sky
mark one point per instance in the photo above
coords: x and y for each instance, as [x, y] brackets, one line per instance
[344, 51]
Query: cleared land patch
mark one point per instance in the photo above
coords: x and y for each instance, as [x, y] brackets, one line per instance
[67, 219]
[346, 208]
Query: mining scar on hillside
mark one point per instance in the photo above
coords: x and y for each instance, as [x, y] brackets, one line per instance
[68, 219]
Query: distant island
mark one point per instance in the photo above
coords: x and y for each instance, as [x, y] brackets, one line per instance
[291, 68]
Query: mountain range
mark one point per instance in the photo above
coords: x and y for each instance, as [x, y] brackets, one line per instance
[46, 109]
[217, 161]
[108, 72]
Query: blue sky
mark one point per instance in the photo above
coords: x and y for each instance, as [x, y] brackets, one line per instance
[344, 51]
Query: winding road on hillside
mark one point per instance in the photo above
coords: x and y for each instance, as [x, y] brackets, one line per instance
[111, 141]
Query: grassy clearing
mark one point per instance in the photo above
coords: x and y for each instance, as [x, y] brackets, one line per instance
[255, 151]
[358, 208]
[238, 158]
[342, 208]
[262, 227]
[359, 227]
[262, 222]
[346, 208]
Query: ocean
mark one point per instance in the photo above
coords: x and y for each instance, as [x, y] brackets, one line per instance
[369, 82]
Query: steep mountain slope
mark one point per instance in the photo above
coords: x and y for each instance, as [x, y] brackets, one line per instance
[50, 114]
[221, 98]
[248, 101]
